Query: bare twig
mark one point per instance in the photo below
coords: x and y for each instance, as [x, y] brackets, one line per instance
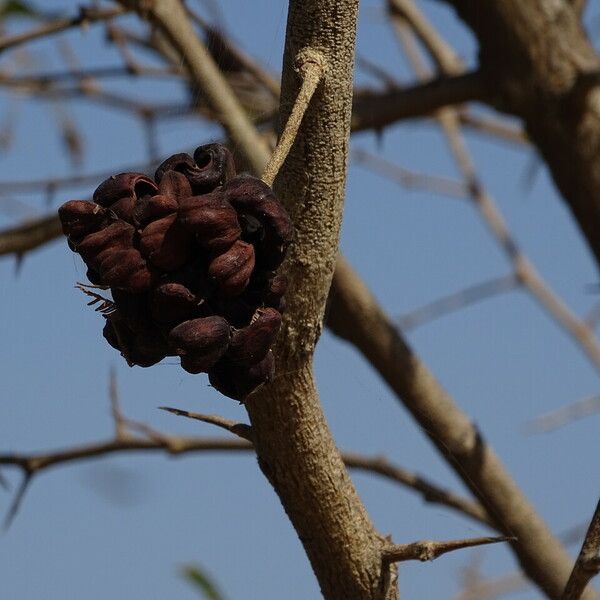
[29, 235]
[430, 550]
[457, 301]
[240, 429]
[410, 179]
[86, 15]
[311, 68]
[565, 415]
[429, 491]
[587, 564]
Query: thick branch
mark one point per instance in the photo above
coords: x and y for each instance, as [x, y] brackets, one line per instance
[543, 68]
[587, 564]
[356, 316]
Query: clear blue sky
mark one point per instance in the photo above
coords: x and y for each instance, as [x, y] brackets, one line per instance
[121, 527]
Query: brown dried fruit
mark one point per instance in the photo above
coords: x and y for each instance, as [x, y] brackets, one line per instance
[174, 185]
[165, 243]
[124, 185]
[250, 345]
[211, 219]
[80, 217]
[94, 246]
[152, 208]
[143, 349]
[231, 270]
[263, 218]
[238, 382]
[124, 268]
[203, 340]
[172, 303]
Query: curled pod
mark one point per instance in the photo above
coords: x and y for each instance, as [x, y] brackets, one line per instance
[237, 381]
[125, 269]
[171, 303]
[142, 349]
[95, 245]
[238, 311]
[211, 219]
[80, 218]
[132, 309]
[216, 163]
[174, 185]
[203, 340]
[166, 243]
[152, 208]
[251, 344]
[263, 218]
[124, 185]
[231, 270]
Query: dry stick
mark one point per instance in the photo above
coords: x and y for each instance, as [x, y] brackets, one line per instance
[587, 564]
[32, 464]
[311, 66]
[430, 550]
[86, 15]
[409, 179]
[564, 415]
[240, 429]
[457, 301]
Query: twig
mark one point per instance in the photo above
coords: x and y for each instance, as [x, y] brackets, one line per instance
[115, 407]
[457, 301]
[587, 564]
[565, 415]
[240, 429]
[311, 67]
[429, 491]
[430, 550]
[86, 15]
[411, 179]
[29, 235]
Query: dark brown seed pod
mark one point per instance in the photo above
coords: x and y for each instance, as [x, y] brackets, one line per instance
[132, 309]
[216, 163]
[94, 246]
[80, 217]
[174, 185]
[166, 243]
[238, 382]
[172, 303]
[211, 219]
[124, 268]
[250, 345]
[143, 349]
[263, 218]
[231, 270]
[124, 185]
[152, 208]
[203, 340]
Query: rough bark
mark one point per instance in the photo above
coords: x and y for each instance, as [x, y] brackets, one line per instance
[295, 448]
[538, 60]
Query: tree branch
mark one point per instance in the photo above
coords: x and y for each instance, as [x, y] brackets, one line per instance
[587, 564]
[86, 15]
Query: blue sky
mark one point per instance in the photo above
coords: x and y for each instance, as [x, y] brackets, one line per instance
[121, 527]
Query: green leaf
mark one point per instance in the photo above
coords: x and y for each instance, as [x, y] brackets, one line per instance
[202, 582]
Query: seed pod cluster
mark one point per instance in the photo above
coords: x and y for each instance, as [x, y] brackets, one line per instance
[190, 257]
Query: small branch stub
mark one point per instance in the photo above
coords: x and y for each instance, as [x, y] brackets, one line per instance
[311, 66]
[430, 550]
